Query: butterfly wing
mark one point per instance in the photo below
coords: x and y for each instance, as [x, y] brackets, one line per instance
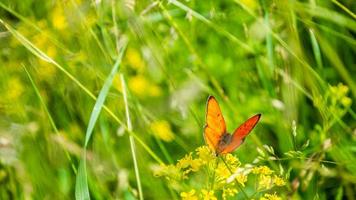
[240, 133]
[215, 124]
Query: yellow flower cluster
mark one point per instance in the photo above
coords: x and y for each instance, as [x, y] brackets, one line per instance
[339, 95]
[170, 172]
[229, 192]
[189, 164]
[14, 89]
[266, 179]
[271, 197]
[205, 155]
[191, 195]
[204, 195]
[222, 175]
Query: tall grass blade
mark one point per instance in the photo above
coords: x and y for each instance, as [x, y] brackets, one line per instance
[101, 98]
[81, 189]
[132, 141]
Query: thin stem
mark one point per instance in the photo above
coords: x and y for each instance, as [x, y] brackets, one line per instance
[238, 184]
[132, 141]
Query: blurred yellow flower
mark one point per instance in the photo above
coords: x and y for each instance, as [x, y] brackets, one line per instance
[208, 195]
[134, 59]
[162, 130]
[15, 89]
[138, 85]
[142, 87]
[346, 101]
[270, 197]
[58, 18]
[154, 91]
[189, 195]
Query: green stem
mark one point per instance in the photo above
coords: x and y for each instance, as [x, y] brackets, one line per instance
[132, 141]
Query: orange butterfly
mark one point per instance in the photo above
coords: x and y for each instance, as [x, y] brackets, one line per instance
[215, 134]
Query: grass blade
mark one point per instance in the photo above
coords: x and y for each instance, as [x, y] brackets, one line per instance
[81, 185]
[101, 98]
[132, 141]
[316, 49]
[81, 189]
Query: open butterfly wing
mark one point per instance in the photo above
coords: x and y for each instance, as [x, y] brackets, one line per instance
[240, 133]
[215, 124]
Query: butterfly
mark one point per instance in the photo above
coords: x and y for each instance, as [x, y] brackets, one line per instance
[215, 134]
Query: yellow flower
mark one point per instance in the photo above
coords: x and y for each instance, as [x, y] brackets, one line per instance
[154, 91]
[185, 162]
[142, 87]
[58, 18]
[162, 130]
[14, 89]
[242, 179]
[195, 165]
[205, 154]
[134, 59]
[264, 170]
[232, 161]
[222, 172]
[138, 85]
[265, 182]
[278, 181]
[229, 192]
[189, 195]
[188, 164]
[346, 101]
[168, 171]
[208, 195]
[271, 197]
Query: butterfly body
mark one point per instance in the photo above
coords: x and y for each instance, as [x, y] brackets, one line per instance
[223, 142]
[215, 134]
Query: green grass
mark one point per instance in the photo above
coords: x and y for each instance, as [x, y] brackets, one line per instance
[96, 95]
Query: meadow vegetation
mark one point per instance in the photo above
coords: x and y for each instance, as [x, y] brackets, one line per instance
[106, 99]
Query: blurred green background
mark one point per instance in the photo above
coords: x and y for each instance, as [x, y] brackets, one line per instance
[293, 61]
